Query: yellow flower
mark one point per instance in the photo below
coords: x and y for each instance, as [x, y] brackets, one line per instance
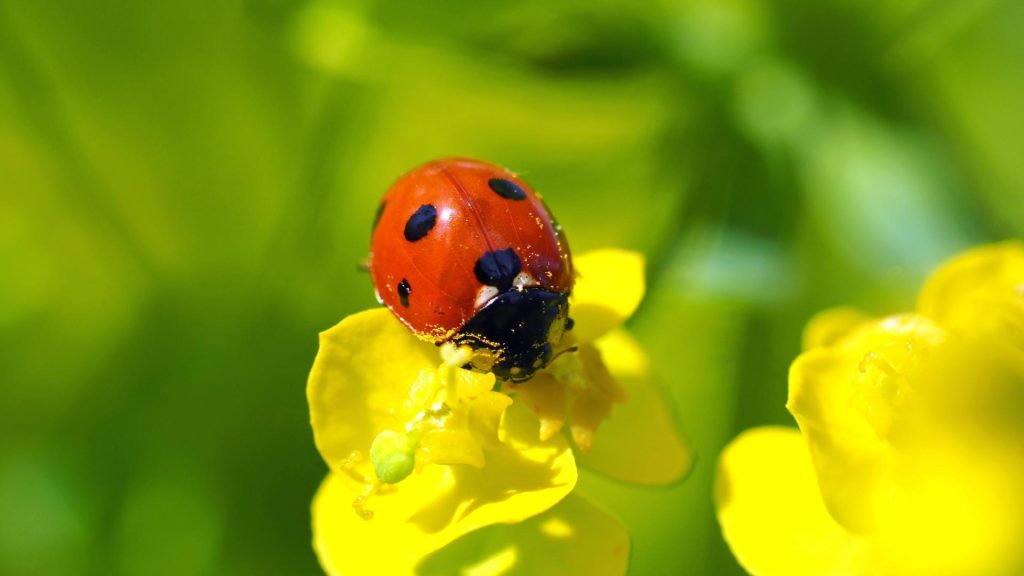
[423, 455]
[910, 452]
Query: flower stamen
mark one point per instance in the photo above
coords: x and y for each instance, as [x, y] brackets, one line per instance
[350, 466]
[359, 504]
[439, 428]
[873, 360]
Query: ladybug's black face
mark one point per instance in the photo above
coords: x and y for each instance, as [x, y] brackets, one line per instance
[520, 327]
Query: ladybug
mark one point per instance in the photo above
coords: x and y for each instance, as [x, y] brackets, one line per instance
[464, 251]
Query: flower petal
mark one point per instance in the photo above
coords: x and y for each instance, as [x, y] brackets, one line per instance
[451, 447]
[848, 399]
[433, 507]
[361, 375]
[574, 537]
[772, 515]
[979, 291]
[485, 414]
[830, 326]
[547, 397]
[639, 442]
[594, 402]
[957, 513]
[609, 286]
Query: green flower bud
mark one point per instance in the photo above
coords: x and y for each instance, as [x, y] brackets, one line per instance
[393, 456]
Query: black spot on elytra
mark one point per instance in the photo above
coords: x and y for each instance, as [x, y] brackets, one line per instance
[403, 292]
[380, 212]
[507, 189]
[421, 222]
[498, 268]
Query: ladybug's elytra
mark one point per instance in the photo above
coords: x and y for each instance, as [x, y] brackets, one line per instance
[465, 251]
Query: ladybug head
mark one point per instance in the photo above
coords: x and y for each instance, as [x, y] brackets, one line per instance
[520, 327]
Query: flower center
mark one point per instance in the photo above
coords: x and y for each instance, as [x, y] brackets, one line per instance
[881, 392]
[450, 417]
[884, 379]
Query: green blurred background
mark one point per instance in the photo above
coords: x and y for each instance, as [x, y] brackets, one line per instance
[186, 189]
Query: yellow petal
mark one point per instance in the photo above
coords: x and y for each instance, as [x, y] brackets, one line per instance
[849, 402]
[361, 376]
[594, 402]
[574, 537]
[609, 286]
[639, 442]
[957, 513]
[771, 512]
[830, 326]
[450, 447]
[485, 414]
[545, 395]
[979, 291]
[347, 544]
[522, 478]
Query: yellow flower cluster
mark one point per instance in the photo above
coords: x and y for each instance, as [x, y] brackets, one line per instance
[909, 459]
[428, 459]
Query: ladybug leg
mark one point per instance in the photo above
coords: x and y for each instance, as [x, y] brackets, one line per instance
[564, 351]
[483, 360]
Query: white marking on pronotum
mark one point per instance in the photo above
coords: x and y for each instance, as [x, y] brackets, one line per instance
[485, 295]
[524, 280]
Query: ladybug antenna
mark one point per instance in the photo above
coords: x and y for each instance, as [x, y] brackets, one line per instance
[563, 351]
[363, 266]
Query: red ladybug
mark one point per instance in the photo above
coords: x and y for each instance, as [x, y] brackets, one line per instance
[465, 251]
